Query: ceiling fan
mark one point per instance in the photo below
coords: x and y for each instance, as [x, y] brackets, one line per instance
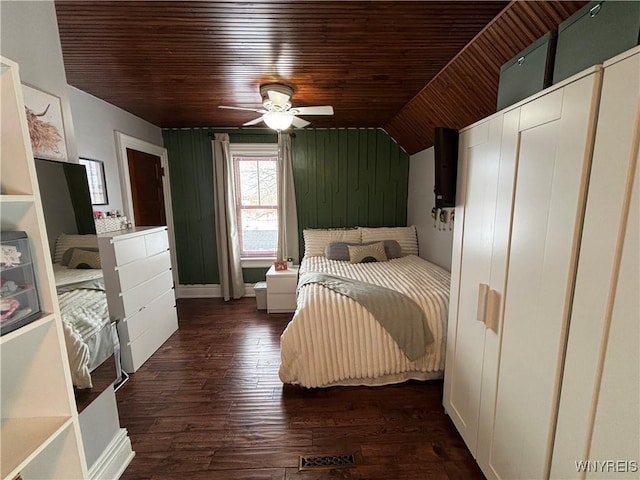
[277, 112]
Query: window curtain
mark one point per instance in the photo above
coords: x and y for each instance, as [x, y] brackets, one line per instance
[287, 211]
[227, 240]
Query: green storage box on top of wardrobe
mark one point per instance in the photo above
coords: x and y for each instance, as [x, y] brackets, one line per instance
[598, 31]
[528, 72]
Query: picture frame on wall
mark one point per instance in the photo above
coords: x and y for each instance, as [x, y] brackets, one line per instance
[97, 180]
[46, 124]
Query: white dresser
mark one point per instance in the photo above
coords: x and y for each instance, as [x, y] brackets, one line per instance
[140, 290]
[281, 290]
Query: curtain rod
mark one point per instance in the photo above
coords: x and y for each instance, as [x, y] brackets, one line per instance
[212, 133]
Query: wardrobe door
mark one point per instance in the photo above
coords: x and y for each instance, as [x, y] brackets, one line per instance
[600, 380]
[497, 284]
[616, 429]
[554, 152]
[479, 165]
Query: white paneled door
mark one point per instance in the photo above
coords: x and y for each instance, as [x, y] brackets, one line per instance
[554, 151]
[598, 419]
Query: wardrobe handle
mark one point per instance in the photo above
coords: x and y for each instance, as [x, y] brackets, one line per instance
[483, 290]
[493, 310]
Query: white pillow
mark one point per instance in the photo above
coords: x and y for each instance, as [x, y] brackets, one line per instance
[65, 242]
[315, 239]
[405, 236]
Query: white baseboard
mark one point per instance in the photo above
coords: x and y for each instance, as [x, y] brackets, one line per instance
[115, 458]
[198, 291]
[208, 291]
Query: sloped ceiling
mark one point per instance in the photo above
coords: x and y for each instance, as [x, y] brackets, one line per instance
[466, 89]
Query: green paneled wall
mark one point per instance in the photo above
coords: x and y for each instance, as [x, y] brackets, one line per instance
[191, 173]
[343, 177]
[349, 177]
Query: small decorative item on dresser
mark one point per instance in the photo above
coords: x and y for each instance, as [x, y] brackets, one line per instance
[289, 262]
[111, 223]
[280, 265]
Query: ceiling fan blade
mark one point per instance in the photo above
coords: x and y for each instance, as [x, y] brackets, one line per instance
[243, 108]
[324, 110]
[255, 121]
[299, 123]
[278, 98]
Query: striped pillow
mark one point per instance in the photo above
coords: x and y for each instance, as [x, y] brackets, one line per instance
[373, 252]
[85, 259]
[65, 242]
[316, 239]
[405, 236]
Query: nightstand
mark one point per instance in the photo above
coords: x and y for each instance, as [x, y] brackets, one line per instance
[281, 290]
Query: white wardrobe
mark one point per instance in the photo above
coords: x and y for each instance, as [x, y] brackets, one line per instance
[522, 189]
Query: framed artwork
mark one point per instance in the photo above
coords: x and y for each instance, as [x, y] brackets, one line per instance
[46, 127]
[97, 181]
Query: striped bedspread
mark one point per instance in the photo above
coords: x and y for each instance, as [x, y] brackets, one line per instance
[333, 340]
[87, 327]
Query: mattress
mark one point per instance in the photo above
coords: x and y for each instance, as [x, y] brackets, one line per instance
[89, 336]
[333, 340]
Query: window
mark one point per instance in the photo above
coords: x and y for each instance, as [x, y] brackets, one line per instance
[97, 183]
[256, 185]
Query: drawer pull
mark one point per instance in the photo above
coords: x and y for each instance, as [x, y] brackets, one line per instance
[595, 10]
[520, 60]
[493, 311]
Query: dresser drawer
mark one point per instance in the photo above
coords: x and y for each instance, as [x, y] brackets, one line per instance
[136, 298]
[282, 284]
[135, 353]
[133, 274]
[281, 302]
[152, 315]
[156, 242]
[129, 249]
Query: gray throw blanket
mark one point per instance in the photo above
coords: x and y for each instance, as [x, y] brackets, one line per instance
[398, 314]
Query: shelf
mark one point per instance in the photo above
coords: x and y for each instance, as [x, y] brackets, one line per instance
[39, 429]
[16, 198]
[8, 269]
[20, 291]
[45, 318]
[24, 438]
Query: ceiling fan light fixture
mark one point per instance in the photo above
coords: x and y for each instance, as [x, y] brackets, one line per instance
[278, 120]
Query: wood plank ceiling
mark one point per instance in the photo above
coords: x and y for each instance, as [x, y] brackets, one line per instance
[466, 89]
[174, 62]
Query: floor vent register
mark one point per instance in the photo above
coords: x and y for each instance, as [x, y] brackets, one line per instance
[326, 462]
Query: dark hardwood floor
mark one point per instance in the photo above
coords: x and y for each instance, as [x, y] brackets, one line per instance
[209, 405]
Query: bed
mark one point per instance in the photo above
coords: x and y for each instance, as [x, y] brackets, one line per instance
[334, 340]
[89, 335]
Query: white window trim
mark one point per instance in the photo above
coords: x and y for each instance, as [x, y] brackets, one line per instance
[248, 150]
[257, 262]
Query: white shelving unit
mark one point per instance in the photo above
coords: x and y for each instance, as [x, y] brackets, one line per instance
[39, 434]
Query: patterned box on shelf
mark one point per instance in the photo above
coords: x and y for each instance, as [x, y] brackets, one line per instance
[110, 224]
